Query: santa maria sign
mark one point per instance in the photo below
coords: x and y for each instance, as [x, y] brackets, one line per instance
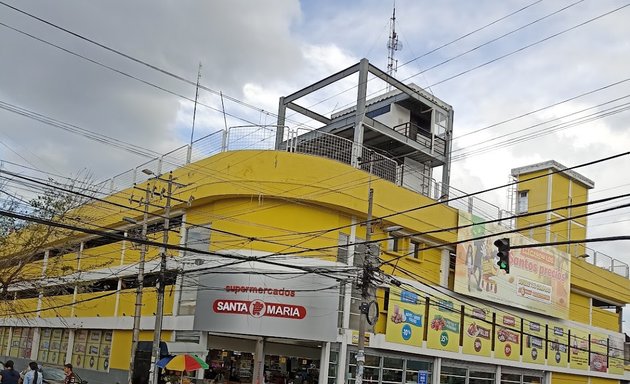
[295, 305]
[539, 278]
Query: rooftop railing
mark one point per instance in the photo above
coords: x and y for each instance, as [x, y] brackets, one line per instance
[317, 143]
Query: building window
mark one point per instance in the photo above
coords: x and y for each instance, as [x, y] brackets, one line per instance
[416, 250]
[198, 238]
[522, 201]
[342, 248]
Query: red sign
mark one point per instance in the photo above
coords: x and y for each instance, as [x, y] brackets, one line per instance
[258, 308]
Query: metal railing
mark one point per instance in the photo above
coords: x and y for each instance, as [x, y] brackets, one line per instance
[317, 143]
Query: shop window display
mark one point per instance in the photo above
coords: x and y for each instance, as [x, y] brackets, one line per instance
[92, 349]
[53, 345]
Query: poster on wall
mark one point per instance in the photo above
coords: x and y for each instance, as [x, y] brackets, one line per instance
[443, 323]
[599, 350]
[477, 331]
[578, 349]
[557, 345]
[616, 353]
[534, 336]
[539, 278]
[507, 336]
[298, 305]
[405, 317]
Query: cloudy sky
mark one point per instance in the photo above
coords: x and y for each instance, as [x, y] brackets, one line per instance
[505, 59]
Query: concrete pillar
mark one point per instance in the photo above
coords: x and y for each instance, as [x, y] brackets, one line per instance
[324, 362]
[259, 362]
[357, 144]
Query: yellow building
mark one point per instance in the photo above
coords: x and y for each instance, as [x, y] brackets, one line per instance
[265, 247]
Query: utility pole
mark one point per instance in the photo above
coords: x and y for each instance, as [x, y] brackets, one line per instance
[366, 295]
[159, 313]
[138, 307]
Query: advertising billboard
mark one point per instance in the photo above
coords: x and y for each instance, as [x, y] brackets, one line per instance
[444, 323]
[284, 305]
[539, 278]
[477, 338]
[557, 344]
[507, 336]
[616, 353]
[534, 335]
[405, 317]
[578, 349]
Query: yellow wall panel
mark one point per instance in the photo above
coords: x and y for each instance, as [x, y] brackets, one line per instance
[579, 309]
[101, 257]
[56, 306]
[563, 378]
[95, 304]
[62, 265]
[560, 193]
[605, 319]
[599, 380]
[24, 308]
[121, 347]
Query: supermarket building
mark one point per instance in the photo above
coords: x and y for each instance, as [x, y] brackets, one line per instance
[263, 283]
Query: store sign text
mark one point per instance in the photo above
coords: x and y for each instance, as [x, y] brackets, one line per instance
[259, 308]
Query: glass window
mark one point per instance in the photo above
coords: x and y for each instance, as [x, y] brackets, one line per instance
[522, 201]
[532, 379]
[416, 250]
[342, 249]
[392, 362]
[198, 238]
[413, 368]
[332, 366]
[510, 378]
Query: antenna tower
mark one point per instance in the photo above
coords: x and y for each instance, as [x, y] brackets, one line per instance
[392, 46]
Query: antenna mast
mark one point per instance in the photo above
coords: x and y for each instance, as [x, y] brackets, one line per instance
[192, 131]
[392, 46]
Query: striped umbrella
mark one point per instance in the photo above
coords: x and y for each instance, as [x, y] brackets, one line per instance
[183, 362]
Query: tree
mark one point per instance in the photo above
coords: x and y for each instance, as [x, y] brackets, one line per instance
[23, 245]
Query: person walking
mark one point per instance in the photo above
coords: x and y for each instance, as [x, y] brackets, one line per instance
[9, 375]
[33, 376]
[71, 378]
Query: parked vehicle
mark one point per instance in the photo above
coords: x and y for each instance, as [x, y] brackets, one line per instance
[55, 375]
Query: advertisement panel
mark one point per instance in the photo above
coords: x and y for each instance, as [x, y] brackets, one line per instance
[557, 345]
[534, 336]
[295, 305]
[616, 353]
[507, 336]
[477, 331]
[578, 343]
[444, 323]
[599, 349]
[405, 317]
[539, 278]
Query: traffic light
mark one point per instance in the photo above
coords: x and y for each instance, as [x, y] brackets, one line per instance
[503, 245]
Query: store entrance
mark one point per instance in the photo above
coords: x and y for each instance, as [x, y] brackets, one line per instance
[234, 367]
[291, 370]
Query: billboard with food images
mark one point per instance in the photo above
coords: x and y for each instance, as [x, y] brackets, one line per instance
[477, 330]
[539, 278]
[405, 317]
[444, 323]
[507, 336]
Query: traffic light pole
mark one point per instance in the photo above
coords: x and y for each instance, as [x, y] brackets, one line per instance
[366, 283]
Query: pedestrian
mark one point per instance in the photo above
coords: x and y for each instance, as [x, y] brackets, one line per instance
[70, 376]
[33, 376]
[9, 375]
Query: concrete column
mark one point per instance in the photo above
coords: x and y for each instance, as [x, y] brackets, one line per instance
[437, 369]
[342, 363]
[324, 362]
[259, 362]
[35, 344]
[444, 265]
[282, 110]
[70, 347]
[497, 375]
[360, 112]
